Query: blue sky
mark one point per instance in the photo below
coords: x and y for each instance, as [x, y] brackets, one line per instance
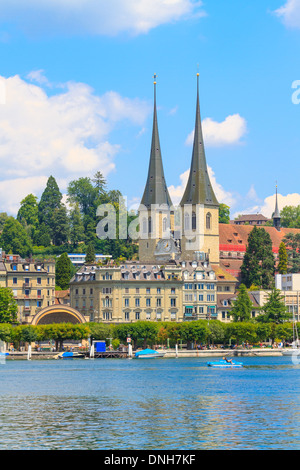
[76, 95]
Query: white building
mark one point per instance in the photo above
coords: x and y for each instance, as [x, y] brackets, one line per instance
[78, 259]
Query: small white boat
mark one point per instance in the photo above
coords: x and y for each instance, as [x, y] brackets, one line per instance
[69, 355]
[148, 354]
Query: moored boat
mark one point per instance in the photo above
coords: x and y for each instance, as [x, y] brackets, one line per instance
[69, 355]
[148, 354]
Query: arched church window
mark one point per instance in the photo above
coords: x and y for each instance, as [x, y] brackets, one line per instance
[144, 225]
[208, 221]
[194, 221]
[186, 222]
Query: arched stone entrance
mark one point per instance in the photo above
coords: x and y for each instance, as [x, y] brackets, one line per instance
[58, 314]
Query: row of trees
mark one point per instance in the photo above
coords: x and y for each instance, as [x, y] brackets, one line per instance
[144, 333]
[48, 227]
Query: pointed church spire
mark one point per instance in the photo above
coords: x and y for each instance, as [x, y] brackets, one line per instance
[156, 191]
[199, 189]
[276, 215]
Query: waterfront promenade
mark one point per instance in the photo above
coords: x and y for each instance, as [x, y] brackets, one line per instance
[169, 353]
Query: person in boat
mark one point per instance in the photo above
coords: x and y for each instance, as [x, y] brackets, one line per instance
[227, 360]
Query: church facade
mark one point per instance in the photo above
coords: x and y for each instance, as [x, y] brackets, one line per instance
[177, 275]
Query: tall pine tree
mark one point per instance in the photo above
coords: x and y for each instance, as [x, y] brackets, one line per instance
[283, 259]
[242, 306]
[258, 266]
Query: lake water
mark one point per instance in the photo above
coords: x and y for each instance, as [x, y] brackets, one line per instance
[158, 404]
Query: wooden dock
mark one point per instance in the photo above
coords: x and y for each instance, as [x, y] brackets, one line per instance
[109, 355]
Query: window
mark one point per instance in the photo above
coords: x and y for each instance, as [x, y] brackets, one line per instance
[148, 290]
[158, 290]
[165, 221]
[137, 315]
[158, 302]
[91, 291]
[148, 315]
[137, 290]
[144, 225]
[208, 221]
[149, 225]
[148, 302]
[201, 297]
[39, 293]
[127, 316]
[126, 290]
[173, 290]
[39, 303]
[173, 302]
[39, 280]
[126, 302]
[194, 221]
[186, 222]
[15, 280]
[83, 291]
[137, 302]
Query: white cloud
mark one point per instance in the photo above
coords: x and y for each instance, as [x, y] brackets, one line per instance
[65, 134]
[227, 132]
[99, 17]
[267, 206]
[223, 196]
[290, 13]
[39, 77]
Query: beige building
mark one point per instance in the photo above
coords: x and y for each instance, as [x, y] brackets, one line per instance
[176, 291]
[32, 283]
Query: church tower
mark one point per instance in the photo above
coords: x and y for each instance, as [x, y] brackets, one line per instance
[276, 215]
[155, 217]
[199, 205]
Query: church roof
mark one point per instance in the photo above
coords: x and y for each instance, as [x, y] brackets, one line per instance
[156, 190]
[198, 189]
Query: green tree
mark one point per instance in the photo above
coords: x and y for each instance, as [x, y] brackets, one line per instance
[5, 332]
[216, 332]
[8, 306]
[60, 226]
[242, 306]
[15, 239]
[274, 310]
[41, 236]
[100, 182]
[224, 214]
[28, 212]
[3, 219]
[283, 259]
[292, 243]
[50, 200]
[90, 254]
[195, 331]
[63, 271]
[76, 226]
[258, 266]
[290, 216]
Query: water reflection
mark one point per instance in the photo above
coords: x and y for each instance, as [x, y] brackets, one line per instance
[167, 405]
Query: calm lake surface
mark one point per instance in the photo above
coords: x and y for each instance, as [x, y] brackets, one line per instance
[157, 404]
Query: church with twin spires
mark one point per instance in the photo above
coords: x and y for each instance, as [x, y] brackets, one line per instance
[188, 232]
